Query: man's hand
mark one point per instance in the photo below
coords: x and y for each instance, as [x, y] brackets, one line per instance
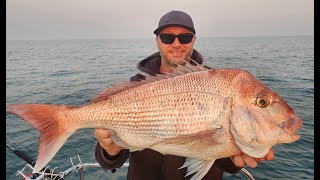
[105, 141]
[244, 159]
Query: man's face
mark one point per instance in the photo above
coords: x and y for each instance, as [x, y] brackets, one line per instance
[176, 52]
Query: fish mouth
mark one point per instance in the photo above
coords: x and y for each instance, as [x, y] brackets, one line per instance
[291, 126]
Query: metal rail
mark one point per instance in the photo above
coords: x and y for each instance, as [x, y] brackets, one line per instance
[55, 174]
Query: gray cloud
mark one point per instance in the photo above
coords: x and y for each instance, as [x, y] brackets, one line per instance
[61, 19]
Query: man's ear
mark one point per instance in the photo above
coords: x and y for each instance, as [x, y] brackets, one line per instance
[158, 41]
[194, 38]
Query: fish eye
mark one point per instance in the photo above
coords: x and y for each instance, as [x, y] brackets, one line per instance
[262, 102]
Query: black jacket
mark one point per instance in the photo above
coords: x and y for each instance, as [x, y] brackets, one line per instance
[152, 165]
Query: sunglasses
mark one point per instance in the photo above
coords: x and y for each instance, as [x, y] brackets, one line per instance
[183, 38]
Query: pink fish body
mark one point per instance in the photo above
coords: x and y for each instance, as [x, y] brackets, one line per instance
[202, 114]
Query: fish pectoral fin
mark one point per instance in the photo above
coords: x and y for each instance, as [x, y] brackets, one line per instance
[190, 141]
[198, 166]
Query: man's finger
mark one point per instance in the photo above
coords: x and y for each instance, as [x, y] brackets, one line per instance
[270, 155]
[102, 133]
[249, 161]
[237, 161]
[260, 159]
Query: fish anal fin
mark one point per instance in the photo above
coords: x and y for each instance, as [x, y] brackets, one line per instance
[197, 166]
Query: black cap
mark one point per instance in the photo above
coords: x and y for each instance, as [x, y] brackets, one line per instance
[175, 18]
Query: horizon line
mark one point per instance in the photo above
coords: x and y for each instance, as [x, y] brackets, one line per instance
[124, 38]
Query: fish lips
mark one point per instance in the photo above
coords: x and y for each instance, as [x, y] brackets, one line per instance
[291, 127]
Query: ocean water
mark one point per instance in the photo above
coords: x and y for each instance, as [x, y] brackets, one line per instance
[73, 71]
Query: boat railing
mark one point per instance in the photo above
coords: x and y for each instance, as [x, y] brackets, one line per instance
[49, 173]
[55, 173]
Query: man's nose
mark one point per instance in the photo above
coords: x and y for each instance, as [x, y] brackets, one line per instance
[176, 42]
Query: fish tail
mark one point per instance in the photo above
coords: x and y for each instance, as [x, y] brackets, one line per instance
[46, 119]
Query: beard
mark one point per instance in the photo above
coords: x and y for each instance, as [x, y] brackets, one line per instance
[173, 61]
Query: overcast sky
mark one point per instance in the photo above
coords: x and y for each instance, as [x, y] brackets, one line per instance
[64, 19]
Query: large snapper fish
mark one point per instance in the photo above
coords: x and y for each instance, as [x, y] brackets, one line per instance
[199, 113]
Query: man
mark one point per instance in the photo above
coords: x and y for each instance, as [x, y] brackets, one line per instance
[175, 37]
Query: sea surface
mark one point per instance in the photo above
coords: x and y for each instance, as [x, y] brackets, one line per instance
[74, 71]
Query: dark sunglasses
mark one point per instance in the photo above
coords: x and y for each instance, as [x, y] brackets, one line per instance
[183, 38]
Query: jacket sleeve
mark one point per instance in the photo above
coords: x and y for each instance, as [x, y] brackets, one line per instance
[227, 165]
[107, 161]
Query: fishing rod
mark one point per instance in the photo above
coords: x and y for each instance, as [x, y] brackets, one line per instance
[21, 155]
[30, 163]
[47, 173]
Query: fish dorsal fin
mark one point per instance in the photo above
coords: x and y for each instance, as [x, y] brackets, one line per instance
[180, 70]
[183, 69]
[198, 66]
